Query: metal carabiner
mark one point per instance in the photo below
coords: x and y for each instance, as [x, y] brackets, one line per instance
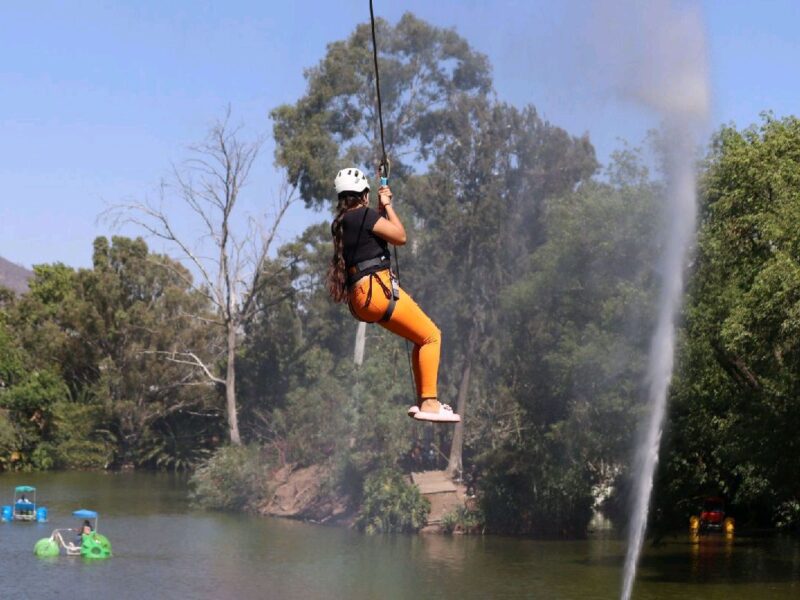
[383, 169]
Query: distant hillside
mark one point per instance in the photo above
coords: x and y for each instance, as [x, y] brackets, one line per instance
[13, 276]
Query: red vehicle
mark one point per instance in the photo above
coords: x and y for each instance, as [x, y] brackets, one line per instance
[712, 516]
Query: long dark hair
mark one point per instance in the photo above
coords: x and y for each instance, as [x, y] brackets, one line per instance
[337, 277]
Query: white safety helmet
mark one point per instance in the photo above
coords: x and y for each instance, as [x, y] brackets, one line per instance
[351, 180]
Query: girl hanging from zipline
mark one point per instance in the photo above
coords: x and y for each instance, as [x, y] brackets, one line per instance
[360, 275]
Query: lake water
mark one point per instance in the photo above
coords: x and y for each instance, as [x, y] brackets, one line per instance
[165, 549]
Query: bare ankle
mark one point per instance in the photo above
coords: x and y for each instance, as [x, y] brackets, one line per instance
[429, 405]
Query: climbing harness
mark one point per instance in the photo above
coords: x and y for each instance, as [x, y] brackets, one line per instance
[392, 294]
[359, 270]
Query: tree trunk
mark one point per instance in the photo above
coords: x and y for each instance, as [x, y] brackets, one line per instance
[454, 464]
[230, 388]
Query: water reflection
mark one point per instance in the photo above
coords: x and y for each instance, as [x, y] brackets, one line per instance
[710, 554]
[445, 552]
[164, 548]
[724, 559]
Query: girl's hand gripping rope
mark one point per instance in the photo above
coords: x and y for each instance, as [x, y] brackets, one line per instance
[384, 197]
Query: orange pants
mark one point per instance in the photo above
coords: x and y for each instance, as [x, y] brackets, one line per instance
[369, 298]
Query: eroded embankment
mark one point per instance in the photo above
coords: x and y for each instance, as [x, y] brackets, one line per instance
[304, 493]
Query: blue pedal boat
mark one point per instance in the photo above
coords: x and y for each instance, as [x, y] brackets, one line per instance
[24, 506]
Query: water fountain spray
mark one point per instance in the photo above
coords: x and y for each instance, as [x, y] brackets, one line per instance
[681, 214]
[656, 52]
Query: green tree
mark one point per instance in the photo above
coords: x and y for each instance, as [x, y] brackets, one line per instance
[12, 357]
[336, 122]
[423, 69]
[576, 322]
[31, 404]
[493, 165]
[142, 307]
[735, 410]
[480, 164]
[94, 391]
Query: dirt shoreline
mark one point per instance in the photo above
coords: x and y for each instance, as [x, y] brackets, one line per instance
[301, 494]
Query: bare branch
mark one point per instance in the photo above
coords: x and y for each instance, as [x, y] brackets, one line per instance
[157, 224]
[209, 183]
[215, 322]
[195, 362]
[288, 196]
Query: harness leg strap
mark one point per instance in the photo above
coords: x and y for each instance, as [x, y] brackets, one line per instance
[392, 294]
[389, 310]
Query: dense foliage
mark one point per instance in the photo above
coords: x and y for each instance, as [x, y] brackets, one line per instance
[83, 382]
[538, 268]
[735, 408]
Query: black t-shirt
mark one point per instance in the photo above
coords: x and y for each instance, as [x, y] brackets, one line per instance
[360, 243]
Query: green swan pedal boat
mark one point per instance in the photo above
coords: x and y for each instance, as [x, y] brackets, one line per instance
[84, 541]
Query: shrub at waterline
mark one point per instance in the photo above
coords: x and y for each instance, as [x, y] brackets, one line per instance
[464, 520]
[391, 504]
[234, 478]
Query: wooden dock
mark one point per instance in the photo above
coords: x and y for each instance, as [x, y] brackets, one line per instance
[444, 495]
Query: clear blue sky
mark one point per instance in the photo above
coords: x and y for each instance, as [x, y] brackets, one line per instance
[98, 98]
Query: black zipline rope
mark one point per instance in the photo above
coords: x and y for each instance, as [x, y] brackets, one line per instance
[377, 85]
[384, 166]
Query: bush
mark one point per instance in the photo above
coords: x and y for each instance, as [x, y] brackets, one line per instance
[391, 504]
[463, 520]
[234, 478]
[44, 457]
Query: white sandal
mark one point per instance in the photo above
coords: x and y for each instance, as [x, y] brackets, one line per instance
[445, 415]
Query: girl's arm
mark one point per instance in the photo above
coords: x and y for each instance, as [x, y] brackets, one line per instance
[389, 227]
